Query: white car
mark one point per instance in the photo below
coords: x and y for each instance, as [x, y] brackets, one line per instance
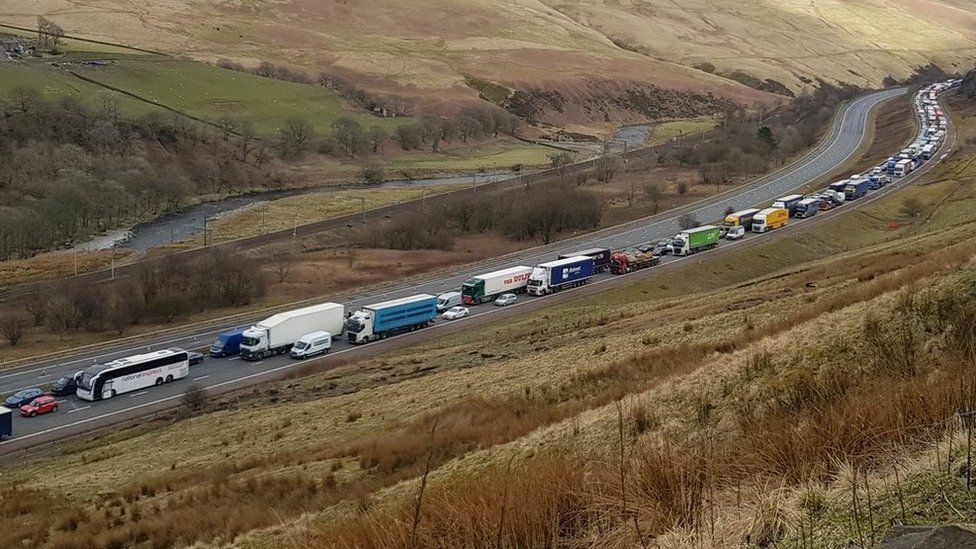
[455, 313]
[505, 300]
[735, 233]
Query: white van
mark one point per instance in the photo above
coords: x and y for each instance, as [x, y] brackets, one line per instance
[312, 344]
[447, 300]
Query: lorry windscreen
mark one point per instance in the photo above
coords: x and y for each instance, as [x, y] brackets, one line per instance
[354, 326]
[250, 341]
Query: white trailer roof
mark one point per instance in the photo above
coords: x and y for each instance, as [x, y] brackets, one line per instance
[277, 319]
[746, 212]
[504, 272]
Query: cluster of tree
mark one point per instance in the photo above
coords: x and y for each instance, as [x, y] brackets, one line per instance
[968, 87]
[161, 292]
[351, 139]
[749, 142]
[540, 212]
[68, 171]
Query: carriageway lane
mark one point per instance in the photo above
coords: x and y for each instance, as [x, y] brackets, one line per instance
[217, 375]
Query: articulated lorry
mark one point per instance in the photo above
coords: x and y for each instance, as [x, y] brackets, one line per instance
[741, 218]
[856, 189]
[629, 261]
[904, 167]
[788, 203]
[390, 318]
[696, 240]
[769, 219]
[601, 257]
[808, 207]
[276, 334]
[562, 273]
[488, 286]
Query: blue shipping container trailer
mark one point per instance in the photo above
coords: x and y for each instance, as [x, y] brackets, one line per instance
[388, 318]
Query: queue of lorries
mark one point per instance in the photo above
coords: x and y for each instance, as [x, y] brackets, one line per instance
[310, 331]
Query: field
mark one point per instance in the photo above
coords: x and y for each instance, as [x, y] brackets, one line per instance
[285, 213]
[739, 397]
[667, 130]
[143, 83]
[497, 154]
[582, 53]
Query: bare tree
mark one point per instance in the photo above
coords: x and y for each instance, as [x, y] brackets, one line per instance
[653, 194]
[682, 188]
[12, 327]
[377, 136]
[49, 33]
[24, 99]
[295, 137]
[606, 167]
[350, 135]
[195, 398]
[283, 263]
[688, 221]
[60, 315]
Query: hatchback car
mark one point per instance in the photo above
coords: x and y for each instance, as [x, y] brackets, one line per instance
[505, 300]
[455, 313]
[195, 357]
[64, 386]
[40, 405]
[22, 397]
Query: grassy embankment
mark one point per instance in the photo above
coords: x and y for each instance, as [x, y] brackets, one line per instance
[667, 130]
[754, 387]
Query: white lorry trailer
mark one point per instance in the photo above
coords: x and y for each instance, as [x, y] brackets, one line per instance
[276, 334]
[488, 286]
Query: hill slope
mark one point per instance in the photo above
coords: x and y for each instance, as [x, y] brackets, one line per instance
[753, 385]
[575, 60]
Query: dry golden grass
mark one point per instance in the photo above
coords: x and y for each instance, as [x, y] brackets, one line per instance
[766, 369]
[286, 213]
[55, 265]
[668, 130]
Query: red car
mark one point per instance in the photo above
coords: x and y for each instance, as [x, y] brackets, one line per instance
[40, 405]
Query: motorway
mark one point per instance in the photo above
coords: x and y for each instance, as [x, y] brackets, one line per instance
[77, 417]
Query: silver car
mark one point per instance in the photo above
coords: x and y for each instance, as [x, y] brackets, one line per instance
[505, 299]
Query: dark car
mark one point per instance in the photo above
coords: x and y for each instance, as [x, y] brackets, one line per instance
[64, 386]
[658, 248]
[22, 397]
[195, 358]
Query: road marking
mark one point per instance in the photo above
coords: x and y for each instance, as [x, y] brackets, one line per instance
[79, 409]
[201, 377]
[292, 365]
[234, 358]
[835, 135]
[140, 393]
